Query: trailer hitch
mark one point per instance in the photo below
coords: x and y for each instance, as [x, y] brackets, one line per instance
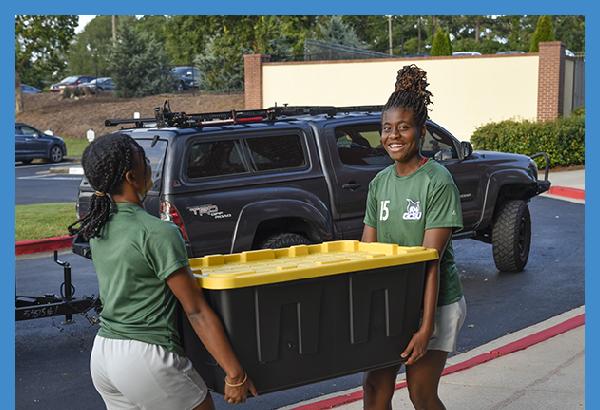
[34, 307]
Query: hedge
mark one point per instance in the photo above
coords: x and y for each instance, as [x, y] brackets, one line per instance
[563, 139]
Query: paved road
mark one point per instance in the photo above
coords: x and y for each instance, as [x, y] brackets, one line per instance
[35, 185]
[52, 359]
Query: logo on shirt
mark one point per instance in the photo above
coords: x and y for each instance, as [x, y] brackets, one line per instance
[413, 211]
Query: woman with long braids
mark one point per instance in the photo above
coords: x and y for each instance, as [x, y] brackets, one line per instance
[415, 202]
[137, 361]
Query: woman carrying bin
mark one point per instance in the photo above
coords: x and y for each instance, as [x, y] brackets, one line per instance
[415, 202]
[137, 361]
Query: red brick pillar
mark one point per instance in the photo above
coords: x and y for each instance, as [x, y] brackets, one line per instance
[253, 80]
[550, 80]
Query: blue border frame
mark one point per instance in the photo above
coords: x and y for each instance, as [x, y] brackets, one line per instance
[348, 7]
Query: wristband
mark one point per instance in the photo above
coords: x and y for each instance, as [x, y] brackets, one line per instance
[238, 384]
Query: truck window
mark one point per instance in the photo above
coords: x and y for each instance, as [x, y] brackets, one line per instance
[208, 159]
[435, 142]
[361, 145]
[156, 155]
[276, 152]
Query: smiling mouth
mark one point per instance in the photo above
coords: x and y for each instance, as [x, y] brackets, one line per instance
[396, 147]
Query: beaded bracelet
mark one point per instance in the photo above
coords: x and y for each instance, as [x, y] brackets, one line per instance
[239, 384]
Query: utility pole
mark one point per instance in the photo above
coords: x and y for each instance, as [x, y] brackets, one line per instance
[390, 34]
[419, 35]
[114, 29]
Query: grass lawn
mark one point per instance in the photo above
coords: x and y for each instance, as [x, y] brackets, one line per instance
[40, 221]
[75, 146]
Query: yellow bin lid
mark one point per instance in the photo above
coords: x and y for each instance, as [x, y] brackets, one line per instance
[266, 266]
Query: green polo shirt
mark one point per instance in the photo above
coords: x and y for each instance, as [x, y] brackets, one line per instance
[402, 208]
[133, 258]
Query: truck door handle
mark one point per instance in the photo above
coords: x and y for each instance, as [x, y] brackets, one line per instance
[352, 186]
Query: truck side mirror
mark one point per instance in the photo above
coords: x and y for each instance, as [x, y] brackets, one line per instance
[466, 148]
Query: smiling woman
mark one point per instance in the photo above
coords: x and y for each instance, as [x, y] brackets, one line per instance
[410, 203]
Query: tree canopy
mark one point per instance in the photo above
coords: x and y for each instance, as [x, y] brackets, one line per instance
[47, 47]
[41, 45]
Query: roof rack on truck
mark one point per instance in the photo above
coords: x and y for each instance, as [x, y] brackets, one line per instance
[164, 117]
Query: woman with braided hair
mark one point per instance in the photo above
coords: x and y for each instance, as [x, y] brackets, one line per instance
[414, 202]
[137, 361]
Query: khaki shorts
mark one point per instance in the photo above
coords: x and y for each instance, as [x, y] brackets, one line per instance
[130, 374]
[448, 321]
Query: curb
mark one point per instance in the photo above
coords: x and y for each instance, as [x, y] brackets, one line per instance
[42, 245]
[72, 170]
[518, 345]
[568, 192]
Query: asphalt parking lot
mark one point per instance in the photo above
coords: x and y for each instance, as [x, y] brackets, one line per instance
[35, 184]
[52, 359]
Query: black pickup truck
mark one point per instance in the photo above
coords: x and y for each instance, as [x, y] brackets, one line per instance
[240, 180]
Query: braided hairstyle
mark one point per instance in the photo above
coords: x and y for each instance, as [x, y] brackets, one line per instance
[411, 93]
[105, 162]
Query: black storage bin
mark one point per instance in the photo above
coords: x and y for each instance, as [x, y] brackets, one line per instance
[307, 313]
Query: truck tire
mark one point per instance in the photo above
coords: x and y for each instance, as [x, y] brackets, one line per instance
[511, 236]
[283, 240]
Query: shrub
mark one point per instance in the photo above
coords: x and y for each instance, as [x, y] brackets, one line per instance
[441, 44]
[563, 139]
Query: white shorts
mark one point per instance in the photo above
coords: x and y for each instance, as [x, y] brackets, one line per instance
[130, 374]
[448, 321]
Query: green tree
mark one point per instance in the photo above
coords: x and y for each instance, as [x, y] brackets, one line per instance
[139, 65]
[221, 63]
[372, 31]
[187, 36]
[41, 43]
[543, 32]
[441, 44]
[152, 26]
[90, 51]
[333, 29]
[571, 31]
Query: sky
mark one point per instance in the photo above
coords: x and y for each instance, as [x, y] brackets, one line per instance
[83, 20]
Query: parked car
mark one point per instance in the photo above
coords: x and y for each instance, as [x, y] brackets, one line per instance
[186, 77]
[28, 89]
[71, 81]
[100, 83]
[31, 143]
[466, 53]
[292, 175]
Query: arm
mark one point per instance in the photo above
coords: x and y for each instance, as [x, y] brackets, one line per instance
[209, 329]
[436, 238]
[369, 234]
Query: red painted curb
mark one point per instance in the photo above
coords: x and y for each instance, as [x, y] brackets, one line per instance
[568, 192]
[42, 245]
[512, 347]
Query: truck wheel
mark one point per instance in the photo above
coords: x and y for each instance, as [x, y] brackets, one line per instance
[283, 240]
[511, 237]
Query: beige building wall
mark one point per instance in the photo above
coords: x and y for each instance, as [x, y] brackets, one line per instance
[467, 91]
[568, 87]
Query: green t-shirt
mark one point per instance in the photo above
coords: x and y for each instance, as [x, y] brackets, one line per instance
[402, 208]
[134, 256]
